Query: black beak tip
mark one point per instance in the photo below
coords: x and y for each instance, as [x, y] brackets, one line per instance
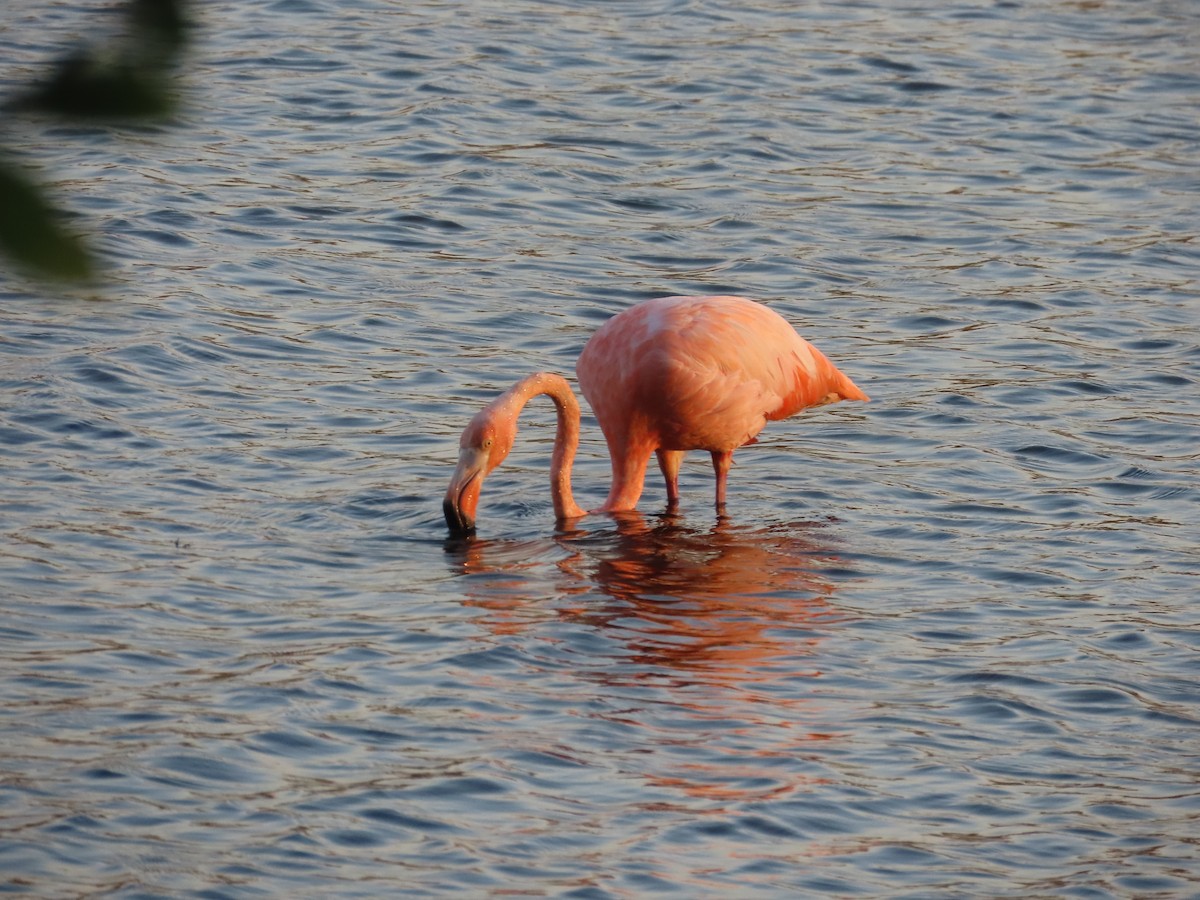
[458, 524]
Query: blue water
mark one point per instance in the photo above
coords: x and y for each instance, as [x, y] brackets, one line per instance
[945, 644]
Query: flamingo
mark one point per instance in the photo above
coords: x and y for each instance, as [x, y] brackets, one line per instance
[666, 376]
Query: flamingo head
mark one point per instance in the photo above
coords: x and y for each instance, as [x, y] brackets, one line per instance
[485, 443]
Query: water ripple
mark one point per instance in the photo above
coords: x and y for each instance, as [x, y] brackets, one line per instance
[942, 645]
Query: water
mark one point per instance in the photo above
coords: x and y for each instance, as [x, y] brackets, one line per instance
[944, 645]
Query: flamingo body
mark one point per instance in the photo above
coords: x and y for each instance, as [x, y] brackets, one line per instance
[666, 376]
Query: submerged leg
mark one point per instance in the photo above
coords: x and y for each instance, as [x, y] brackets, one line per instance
[668, 461]
[722, 460]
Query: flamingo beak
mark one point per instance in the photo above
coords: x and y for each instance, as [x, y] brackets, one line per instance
[462, 496]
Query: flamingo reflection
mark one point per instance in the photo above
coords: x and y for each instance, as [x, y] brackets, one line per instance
[706, 631]
[726, 605]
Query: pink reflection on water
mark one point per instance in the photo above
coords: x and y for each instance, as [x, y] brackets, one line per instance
[711, 640]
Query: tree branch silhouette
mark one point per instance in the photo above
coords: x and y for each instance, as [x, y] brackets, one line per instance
[128, 79]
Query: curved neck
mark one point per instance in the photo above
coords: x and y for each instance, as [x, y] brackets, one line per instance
[566, 437]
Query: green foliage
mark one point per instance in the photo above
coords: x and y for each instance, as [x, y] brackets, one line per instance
[128, 79]
[32, 233]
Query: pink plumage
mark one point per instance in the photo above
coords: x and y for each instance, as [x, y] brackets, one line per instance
[665, 376]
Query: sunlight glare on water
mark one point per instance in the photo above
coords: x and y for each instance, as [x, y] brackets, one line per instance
[943, 644]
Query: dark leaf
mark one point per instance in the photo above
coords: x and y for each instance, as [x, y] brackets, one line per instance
[86, 87]
[160, 21]
[125, 77]
[31, 232]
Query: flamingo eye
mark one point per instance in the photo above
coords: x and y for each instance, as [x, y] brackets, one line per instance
[487, 443]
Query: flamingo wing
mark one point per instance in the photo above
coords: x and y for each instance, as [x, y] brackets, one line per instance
[687, 373]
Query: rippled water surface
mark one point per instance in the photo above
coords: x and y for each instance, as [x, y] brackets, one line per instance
[945, 644]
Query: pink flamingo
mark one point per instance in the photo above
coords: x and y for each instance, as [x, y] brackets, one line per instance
[666, 376]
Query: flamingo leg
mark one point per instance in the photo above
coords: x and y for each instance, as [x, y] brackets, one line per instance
[722, 460]
[668, 461]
